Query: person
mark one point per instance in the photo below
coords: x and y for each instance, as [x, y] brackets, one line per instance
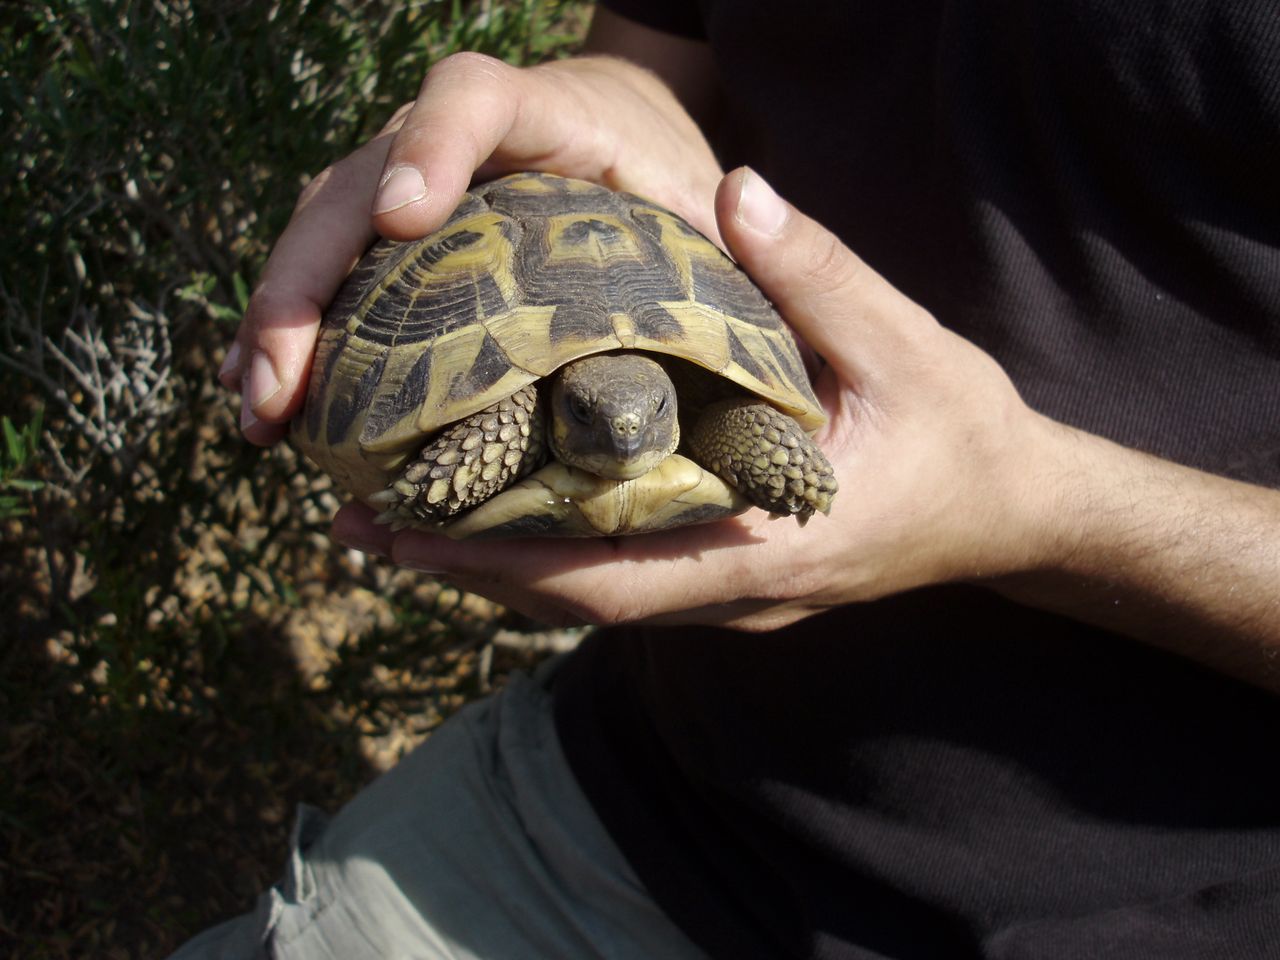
[1016, 696]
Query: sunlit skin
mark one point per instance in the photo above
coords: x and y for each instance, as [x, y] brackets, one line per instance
[945, 473]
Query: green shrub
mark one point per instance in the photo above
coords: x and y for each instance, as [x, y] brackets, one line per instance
[178, 663]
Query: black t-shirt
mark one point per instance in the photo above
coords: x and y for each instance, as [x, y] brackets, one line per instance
[1090, 191]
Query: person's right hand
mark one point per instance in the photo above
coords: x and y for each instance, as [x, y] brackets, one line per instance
[596, 118]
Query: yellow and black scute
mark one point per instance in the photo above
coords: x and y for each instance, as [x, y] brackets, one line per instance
[530, 272]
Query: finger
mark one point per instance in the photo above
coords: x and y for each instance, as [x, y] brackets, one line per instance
[550, 609]
[468, 105]
[477, 118]
[353, 527]
[326, 235]
[601, 580]
[846, 311]
[574, 583]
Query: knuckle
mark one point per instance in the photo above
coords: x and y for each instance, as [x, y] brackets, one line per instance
[918, 315]
[397, 119]
[335, 180]
[313, 188]
[265, 302]
[467, 67]
[921, 325]
[472, 96]
[271, 323]
[830, 263]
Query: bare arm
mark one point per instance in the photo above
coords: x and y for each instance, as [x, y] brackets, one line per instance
[601, 118]
[1177, 557]
[946, 474]
[1182, 559]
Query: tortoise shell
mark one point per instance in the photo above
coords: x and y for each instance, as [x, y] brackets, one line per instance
[530, 272]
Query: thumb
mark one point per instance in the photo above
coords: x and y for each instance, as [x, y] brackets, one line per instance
[837, 304]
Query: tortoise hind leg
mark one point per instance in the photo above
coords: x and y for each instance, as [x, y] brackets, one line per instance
[467, 463]
[766, 456]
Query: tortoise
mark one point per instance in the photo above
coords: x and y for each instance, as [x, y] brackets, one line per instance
[517, 372]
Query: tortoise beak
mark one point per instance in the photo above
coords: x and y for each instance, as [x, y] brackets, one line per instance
[626, 445]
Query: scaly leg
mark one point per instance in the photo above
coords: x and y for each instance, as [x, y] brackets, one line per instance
[467, 463]
[766, 456]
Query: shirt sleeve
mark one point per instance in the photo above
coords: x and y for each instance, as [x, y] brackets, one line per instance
[680, 17]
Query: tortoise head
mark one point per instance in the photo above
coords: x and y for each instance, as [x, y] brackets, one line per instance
[613, 415]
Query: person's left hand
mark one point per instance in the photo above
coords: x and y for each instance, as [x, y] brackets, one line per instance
[934, 451]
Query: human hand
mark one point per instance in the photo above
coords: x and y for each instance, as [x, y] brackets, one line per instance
[595, 118]
[932, 446]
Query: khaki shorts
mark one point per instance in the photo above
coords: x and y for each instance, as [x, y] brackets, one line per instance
[479, 844]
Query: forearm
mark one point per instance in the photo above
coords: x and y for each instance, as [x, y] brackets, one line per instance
[1179, 558]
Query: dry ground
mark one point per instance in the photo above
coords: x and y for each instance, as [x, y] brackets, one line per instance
[149, 792]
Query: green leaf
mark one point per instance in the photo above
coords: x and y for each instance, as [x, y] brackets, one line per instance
[35, 429]
[14, 441]
[223, 313]
[241, 290]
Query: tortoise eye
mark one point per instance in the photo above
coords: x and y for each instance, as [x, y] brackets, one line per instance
[580, 409]
[662, 405]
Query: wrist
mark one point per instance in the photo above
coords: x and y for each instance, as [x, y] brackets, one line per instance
[1063, 483]
[1155, 550]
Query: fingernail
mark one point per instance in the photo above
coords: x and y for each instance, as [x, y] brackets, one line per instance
[232, 360]
[247, 419]
[261, 383]
[759, 207]
[403, 186]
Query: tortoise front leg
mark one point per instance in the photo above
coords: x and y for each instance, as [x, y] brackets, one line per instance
[766, 456]
[467, 463]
